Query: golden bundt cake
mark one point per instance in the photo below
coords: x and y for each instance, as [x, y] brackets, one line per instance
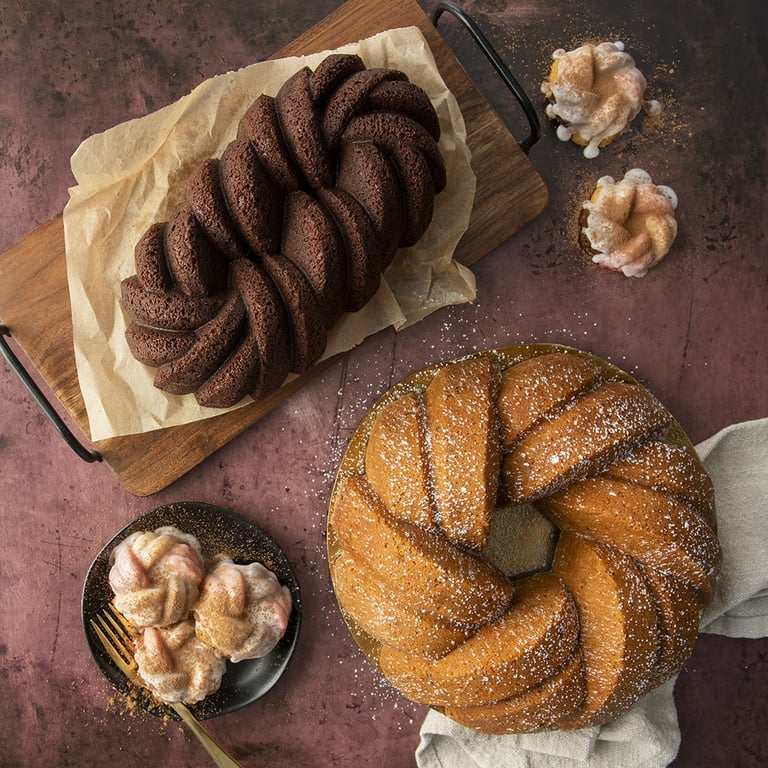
[581, 440]
[397, 460]
[565, 624]
[291, 227]
[654, 529]
[463, 428]
[428, 569]
[618, 626]
[390, 616]
[538, 632]
[533, 709]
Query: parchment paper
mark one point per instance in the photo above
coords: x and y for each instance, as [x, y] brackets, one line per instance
[134, 174]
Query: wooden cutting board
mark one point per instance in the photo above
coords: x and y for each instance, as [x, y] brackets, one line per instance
[34, 297]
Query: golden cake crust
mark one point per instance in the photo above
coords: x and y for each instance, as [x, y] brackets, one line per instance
[618, 626]
[389, 615]
[438, 576]
[535, 708]
[397, 460]
[462, 423]
[538, 631]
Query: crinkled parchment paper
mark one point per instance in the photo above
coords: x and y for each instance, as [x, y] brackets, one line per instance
[134, 174]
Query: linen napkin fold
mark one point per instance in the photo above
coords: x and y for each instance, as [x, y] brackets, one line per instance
[648, 736]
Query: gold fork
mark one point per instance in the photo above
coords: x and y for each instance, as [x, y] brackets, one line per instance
[111, 628]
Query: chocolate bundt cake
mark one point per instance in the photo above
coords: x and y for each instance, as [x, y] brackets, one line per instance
[629, 554]
[290, 228]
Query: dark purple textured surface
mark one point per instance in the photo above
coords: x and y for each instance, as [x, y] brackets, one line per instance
[693, 329]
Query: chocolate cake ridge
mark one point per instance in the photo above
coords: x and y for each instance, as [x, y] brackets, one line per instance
[313, 242]
[350, 99]
[366, 173]
[205, 196]
[212, 345]
[267, 319]
[254, 202]
[196, 266]
[302, 132]
[305, 317]
[149, 257]
[364, 251]
[331, 72]
[261, 126]
[154, 347]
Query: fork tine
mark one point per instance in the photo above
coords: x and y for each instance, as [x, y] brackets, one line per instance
[121, 626]
[113, 649]
[116, 639]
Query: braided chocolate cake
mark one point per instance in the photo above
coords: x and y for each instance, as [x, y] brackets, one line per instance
[290, 228]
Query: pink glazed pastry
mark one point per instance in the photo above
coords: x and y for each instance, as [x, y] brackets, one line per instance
[629, 225]
[156, 576]
[243, 610]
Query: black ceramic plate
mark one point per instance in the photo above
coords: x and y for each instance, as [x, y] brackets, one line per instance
[218, 530]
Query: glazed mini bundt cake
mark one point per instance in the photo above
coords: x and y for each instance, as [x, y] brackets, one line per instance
[176, 665]
[629, 554]
[290, 228]
[243, 610]
[628, 225]
[595, 92]
[156, 576]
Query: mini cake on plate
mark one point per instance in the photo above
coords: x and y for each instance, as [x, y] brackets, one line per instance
[176, 666]
[595, 92]
[629, 225]
[156, 576]
[243, 610]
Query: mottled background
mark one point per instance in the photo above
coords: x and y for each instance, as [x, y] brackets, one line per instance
[693, 329]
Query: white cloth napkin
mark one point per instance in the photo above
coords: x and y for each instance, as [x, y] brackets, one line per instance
[648, 736]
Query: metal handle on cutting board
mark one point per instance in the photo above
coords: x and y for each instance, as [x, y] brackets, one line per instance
[501, 68]
[42, 401]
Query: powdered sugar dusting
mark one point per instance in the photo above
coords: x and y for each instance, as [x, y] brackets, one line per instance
[600, 423]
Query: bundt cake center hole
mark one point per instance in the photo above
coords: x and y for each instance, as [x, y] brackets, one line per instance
[521, 541]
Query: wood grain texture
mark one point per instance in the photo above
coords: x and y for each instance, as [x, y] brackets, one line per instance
[34, 298]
